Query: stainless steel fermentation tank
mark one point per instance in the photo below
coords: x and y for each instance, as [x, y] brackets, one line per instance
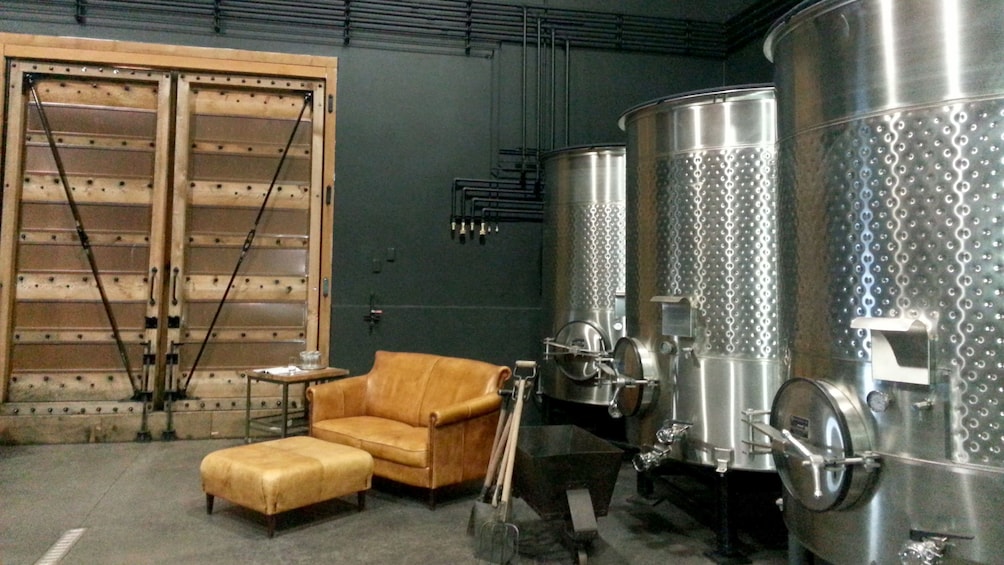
[702, 295]
[889, 436]
[583, 275]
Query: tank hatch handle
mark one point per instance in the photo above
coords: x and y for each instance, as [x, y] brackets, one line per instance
[785, 443]
[900, 349]
[749, 417]
[621, 382]
[677, 315]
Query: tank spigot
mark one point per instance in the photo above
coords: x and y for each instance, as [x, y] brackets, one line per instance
[928, 551]
[666, 436]
[673, 433]
[648, 460]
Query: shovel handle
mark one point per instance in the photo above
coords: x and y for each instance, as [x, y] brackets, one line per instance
[493, 463]
[510, 459]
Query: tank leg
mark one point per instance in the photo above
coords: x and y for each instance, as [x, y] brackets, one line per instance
[727, 539]
[644, 485]
[798, 554]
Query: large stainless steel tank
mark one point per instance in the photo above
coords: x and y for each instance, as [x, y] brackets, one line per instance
[583, 275]
[702, 296]
[891, 124]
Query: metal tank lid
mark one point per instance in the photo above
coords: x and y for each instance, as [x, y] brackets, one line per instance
[802, 11]
[585, 148]
[704, 96]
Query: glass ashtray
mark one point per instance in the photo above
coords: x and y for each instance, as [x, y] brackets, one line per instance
[309, 360]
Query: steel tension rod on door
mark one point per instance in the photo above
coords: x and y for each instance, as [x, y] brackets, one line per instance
[307, 98]
[82, 236]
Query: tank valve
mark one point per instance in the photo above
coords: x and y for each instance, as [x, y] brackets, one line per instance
[668, 434]
[928, 551]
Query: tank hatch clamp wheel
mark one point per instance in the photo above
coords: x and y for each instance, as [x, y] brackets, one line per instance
[820, 444]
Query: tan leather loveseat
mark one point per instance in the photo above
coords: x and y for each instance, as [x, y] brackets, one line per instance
[428, 420]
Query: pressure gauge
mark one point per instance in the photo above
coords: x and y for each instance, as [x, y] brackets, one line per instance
[878, 401]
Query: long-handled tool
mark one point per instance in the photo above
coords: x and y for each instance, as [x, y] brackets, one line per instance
[482, 509]
[498, 538]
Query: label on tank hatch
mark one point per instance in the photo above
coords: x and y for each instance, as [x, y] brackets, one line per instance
[799, 427]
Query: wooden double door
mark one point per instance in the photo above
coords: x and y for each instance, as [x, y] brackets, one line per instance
[164, 228]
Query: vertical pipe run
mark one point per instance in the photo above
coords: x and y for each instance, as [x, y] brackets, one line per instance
[540, 98]
[568, 74]
[522, 145]
[554, 90]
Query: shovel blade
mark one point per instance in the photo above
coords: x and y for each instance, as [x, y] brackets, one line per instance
[498, 543]
[481, 513]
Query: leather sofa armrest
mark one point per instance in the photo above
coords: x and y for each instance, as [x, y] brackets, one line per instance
[472, 408]
[337, 399]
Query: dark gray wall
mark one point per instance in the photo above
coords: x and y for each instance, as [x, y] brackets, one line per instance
[408, 123]
[749, 65]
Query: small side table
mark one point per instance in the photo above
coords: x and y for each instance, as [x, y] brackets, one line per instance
[284, 376]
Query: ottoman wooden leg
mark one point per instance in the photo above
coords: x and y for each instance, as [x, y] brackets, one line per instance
[209, 503]
[361, 498]
[270, 524]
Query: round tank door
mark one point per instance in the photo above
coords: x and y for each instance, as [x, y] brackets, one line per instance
[637, 376]
[825, 462]
[580, 345]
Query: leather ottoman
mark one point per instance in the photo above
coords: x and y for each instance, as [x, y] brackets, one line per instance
[279, 475]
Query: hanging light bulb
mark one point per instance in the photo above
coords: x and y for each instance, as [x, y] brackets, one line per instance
[483, 231]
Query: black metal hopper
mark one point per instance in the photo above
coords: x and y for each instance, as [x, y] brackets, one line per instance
[565, 472]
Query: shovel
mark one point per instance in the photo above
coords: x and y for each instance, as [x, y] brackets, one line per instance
[498, 538]
[482, 510]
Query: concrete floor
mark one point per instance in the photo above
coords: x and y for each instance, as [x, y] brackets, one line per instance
[141, 503]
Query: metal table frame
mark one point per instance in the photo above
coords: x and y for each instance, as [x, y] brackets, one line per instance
[284, 377]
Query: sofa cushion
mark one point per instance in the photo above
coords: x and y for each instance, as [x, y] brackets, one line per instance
[396, 385]
[383, 438]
